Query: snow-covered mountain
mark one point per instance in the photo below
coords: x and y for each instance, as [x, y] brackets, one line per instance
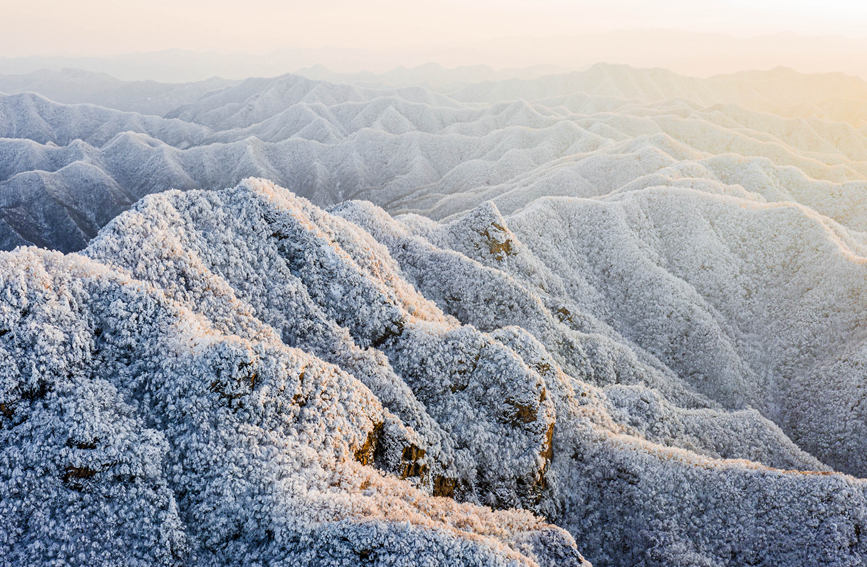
[619, 314]
[248, 378]
[66, 169]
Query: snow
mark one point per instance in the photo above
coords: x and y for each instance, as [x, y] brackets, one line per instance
[619, 312]
[136, 432]
[246, 377]
[428, 151]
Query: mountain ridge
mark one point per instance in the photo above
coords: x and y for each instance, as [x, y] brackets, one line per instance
[248, 317]
[407, 149]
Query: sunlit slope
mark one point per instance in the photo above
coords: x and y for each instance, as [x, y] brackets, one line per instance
[245, 376]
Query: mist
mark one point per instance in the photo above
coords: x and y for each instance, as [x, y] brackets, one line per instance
[196, 40]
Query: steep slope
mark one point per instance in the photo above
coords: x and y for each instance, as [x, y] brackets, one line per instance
[247, 377]
[711, 286]
[172, 426]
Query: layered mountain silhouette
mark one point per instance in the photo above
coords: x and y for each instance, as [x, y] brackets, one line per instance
[68, 168]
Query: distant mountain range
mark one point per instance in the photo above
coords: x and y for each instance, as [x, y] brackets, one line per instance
[66, 169]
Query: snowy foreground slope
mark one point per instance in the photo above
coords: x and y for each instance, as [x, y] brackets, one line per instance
[67, 169]
[668, 376]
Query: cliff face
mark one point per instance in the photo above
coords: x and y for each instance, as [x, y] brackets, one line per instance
[239, 376]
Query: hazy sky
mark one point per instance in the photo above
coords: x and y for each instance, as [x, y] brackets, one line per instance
[456, 32]
[91, 27]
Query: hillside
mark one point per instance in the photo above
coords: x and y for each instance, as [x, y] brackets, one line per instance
[247, 377]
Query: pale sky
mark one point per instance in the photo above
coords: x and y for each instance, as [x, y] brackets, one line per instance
[100, 27]
[456, 32]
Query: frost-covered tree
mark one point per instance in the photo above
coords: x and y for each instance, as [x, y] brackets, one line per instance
[241, 377]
